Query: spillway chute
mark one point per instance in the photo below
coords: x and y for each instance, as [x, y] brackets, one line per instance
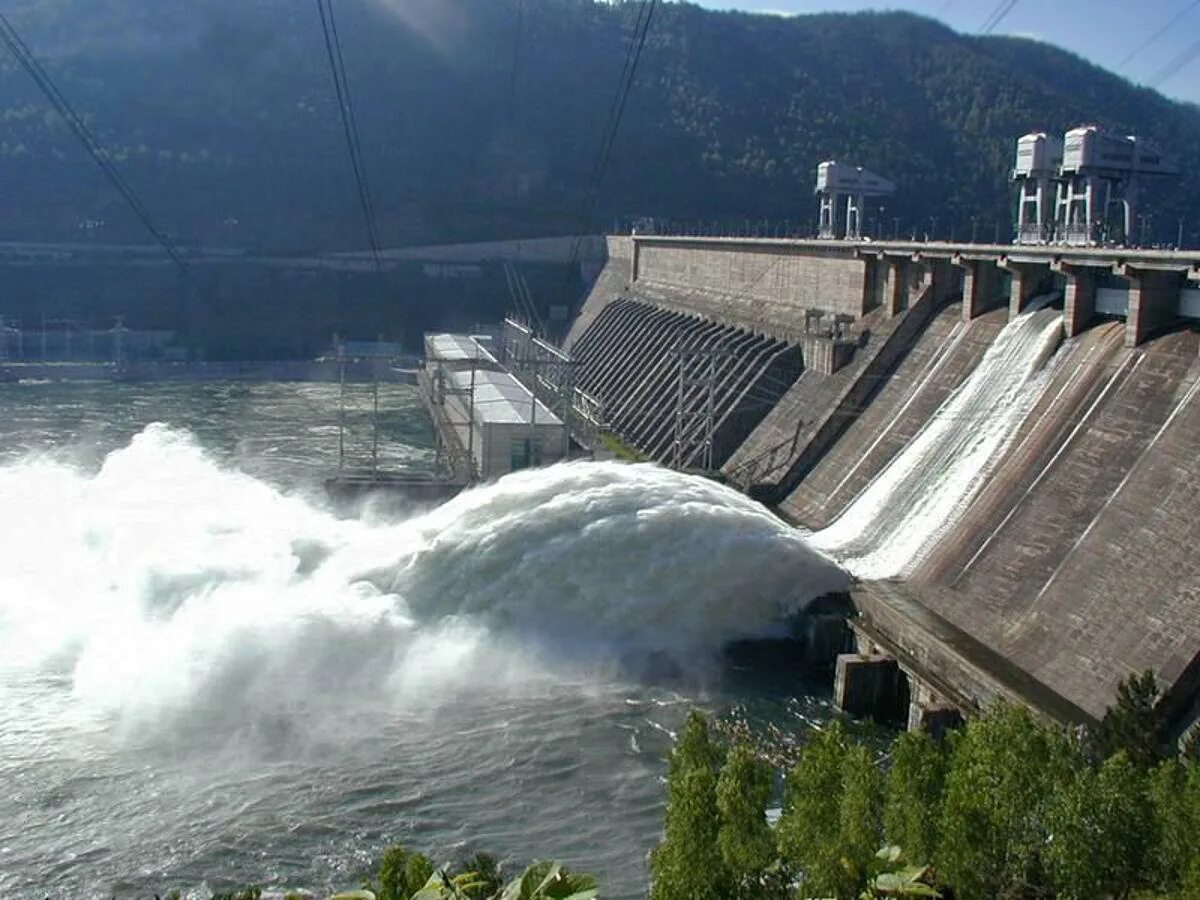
[893, 523]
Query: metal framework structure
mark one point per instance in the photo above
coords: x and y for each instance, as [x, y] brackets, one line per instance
[552, 377]
[695, 424]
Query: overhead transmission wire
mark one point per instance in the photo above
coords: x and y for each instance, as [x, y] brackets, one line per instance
[633, 57]
[25, 58]
[341, 86]
[515, 68]
[1175, 65]
[1174, 20]
[999, 14]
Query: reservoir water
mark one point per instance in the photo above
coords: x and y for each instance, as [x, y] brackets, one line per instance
[209, 679]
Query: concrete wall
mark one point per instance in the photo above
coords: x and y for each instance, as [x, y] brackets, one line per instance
[763, 288]
[611, 284]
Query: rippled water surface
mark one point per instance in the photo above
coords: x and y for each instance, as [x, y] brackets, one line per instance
[208, 678]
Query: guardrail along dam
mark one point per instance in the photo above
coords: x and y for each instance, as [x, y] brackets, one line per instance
[997, 441]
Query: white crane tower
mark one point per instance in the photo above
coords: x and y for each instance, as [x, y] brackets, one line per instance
[1096, 176]
[1039, 158]
[837, 182]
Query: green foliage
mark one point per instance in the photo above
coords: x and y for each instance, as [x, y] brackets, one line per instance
[620, 449]
[859, 825]
[1100, 831]
[444, 886]
[250, 893]
[1132, 725]
[745, 840]
[898, 880]
[808, 828]
[1174, 796]
[488, 877]
[402, 874]
[1005, 768]
[688, 865]
[830, 827]
[550, 881]
[915, 783]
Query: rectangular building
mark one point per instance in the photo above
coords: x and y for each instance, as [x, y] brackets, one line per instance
[486, 413]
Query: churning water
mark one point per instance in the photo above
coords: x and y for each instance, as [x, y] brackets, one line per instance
[206, 675]
[898, 518]
[209, 679]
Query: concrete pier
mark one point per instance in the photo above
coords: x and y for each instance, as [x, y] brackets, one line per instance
[872, 686]
[981, 285]
[1079, 296]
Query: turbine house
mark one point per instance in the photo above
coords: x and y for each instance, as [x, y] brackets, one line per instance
[1098, 188]
[838, 182]
[484, 415]
[1039, 158]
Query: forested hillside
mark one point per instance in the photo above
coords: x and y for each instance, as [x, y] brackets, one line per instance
[482, 118]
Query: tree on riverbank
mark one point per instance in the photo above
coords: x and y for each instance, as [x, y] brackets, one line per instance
[1008, 807]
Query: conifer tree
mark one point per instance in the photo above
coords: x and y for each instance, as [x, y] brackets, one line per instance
[914, 795]
[1174, 795]
[687, 864]
[810, 824]
[745, 839]
[1101, 827]
[402, 874]
[859, 820]
[1004, 769]
[1132, 724]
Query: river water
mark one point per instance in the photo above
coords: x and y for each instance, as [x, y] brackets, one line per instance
[209, 679]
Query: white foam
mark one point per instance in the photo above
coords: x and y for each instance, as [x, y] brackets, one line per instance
[164, 583]
[891, 526]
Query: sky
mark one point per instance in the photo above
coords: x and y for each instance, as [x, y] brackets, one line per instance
[1103, 31]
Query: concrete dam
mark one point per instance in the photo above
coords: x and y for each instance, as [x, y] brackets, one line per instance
[997, 441]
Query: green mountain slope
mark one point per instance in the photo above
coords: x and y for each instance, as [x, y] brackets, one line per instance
[222, 117]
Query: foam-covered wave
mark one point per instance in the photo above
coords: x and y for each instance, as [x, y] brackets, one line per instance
[163, 582]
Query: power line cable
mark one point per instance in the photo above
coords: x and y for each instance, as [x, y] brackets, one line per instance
[25, 58]
[515, 68]
[1175, 65]
[341, 86]
[992, 15]
[625, 84]
[1000, 14]
[1154, 37]
[366, 185]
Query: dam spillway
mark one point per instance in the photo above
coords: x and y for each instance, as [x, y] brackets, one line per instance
[1065, 564]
